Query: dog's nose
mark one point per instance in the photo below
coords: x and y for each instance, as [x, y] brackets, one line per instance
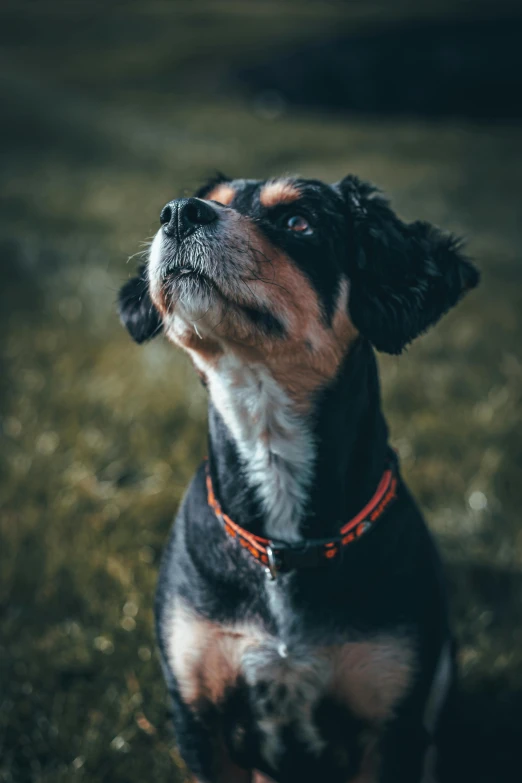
[183, 216]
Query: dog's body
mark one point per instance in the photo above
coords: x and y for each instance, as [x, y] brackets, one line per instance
[337, 666]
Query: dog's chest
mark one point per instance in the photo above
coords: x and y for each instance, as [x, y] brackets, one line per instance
[328, 703]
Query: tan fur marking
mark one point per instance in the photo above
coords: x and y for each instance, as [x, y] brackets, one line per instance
[309, 371]
[278, 192]
[224, 194]
[372, 677]
[209, 350]
[206, 656]
[290, 297]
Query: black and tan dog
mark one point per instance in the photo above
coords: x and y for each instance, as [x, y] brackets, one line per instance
[301, 610]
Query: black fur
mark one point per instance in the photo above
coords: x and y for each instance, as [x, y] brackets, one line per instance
[136, 310]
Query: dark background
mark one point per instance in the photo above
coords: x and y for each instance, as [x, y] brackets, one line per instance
[107, 112]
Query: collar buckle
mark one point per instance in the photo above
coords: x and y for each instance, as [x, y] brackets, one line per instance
[298, 556]
[272, 570]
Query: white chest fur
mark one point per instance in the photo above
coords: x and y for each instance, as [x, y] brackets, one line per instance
[274, 443]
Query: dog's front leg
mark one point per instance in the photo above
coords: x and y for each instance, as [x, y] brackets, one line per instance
[201, 745]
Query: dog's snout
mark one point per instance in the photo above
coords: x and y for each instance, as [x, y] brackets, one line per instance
[182, 217]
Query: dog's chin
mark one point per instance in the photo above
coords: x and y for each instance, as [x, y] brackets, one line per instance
[200, 307]
[201, 296]
[196, 287]
[182, 279]
[190, 293]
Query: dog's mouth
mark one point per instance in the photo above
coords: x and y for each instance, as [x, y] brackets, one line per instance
[202, 263]
[183, 277]
[175, 272]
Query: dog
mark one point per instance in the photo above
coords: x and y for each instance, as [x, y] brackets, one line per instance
[301, 608]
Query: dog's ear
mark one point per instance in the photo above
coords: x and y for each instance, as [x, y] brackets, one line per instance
[404, 277]
[136, 309]
[218, 179]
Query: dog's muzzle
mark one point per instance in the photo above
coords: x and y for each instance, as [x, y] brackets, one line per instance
[182, 217]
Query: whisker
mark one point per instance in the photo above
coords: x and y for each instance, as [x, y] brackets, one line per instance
[134, 255]
[157, 329]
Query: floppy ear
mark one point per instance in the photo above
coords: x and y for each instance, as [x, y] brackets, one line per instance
[218, 179]
[136, 310]
[404, 276]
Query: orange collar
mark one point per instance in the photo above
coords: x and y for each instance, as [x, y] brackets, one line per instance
[277, 556]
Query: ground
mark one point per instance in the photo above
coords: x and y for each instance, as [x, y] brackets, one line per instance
[100, 437]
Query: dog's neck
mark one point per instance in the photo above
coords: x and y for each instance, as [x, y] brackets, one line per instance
[290, 477]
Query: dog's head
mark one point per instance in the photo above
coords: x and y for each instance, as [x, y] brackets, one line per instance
[289, 272]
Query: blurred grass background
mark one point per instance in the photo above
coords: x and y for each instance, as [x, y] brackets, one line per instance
[107, 113]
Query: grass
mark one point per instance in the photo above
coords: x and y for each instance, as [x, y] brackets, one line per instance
[99, 437]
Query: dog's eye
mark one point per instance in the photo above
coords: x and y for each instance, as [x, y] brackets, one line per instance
[299, 224]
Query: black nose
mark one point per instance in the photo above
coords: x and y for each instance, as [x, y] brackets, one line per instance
[182, 217]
